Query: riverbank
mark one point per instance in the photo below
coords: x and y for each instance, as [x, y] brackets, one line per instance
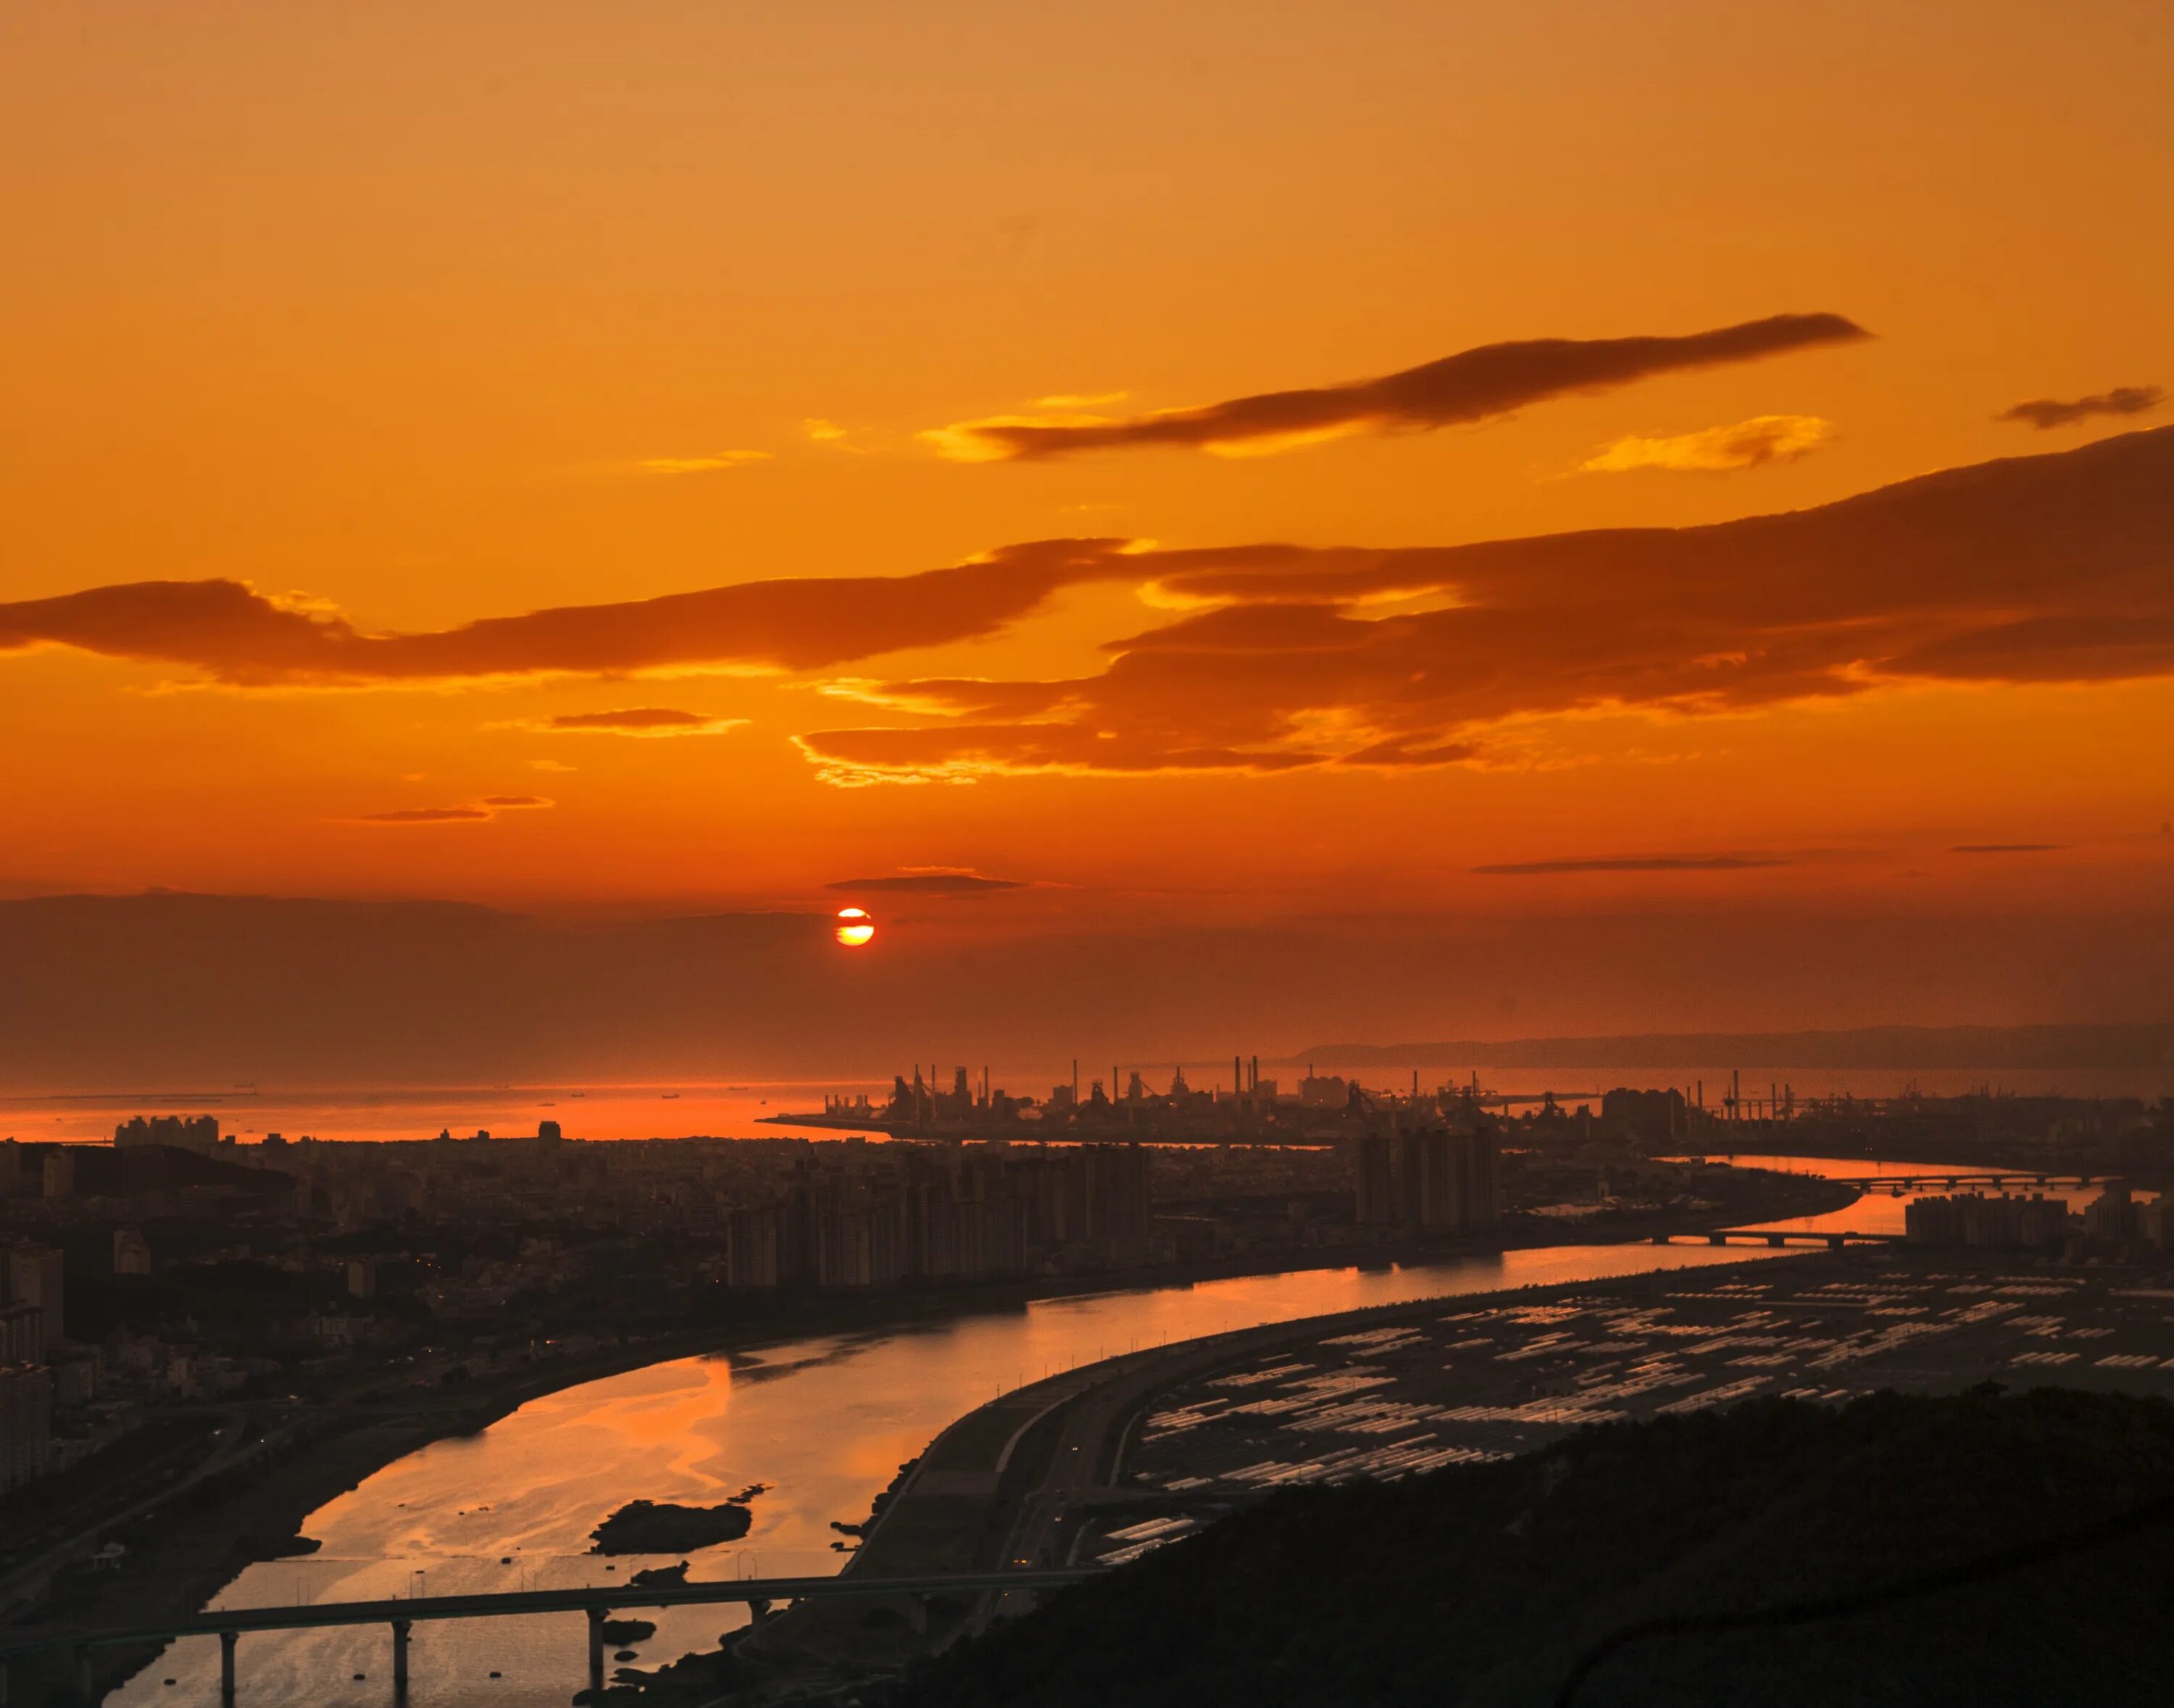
[1177, 1439]
[189, 1553]
[1019, 1481]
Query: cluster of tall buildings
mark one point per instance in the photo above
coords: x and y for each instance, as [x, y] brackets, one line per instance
[1977, 1219]
[196, 1132]
[1434, 1180]
[889, 1215]
[1324, 1108]
[2115, 1214]
[30, 1306]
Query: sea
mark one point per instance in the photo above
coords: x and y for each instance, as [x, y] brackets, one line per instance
[745, 1110]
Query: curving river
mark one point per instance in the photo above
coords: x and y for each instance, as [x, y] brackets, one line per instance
[823, 1423]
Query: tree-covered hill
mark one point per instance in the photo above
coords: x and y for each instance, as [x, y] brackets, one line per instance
[1976, 1549]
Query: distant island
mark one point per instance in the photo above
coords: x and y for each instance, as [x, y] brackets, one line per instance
[656, 1527]
[1895, 1048]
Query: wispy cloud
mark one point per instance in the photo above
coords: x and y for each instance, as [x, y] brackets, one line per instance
[426, 815]
[1717, 450]
[640, 720]
[930, 882]
[479, 813]
[2008, 847]
[2043, 413]
[1657, 862]
[713, 463]
[1472, 386]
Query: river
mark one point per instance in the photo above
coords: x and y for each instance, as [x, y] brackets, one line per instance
[822, 1423]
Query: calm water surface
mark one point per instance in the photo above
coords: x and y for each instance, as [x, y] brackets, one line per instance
[597, 1110]
[1879, 1211]
[823, 1423]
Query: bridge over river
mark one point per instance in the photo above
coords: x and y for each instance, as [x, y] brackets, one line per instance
[1952, 1180]
[757, 1594]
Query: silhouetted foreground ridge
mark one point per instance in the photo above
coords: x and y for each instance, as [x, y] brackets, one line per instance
[1975, 1550]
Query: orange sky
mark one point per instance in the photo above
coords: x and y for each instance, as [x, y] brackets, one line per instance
[408, 317]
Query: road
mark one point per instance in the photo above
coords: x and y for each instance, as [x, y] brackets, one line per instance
[1086, 1468]
[26, 1582]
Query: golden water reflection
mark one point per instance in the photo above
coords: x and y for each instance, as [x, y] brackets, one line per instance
[1881, 1210]
[823, 1423]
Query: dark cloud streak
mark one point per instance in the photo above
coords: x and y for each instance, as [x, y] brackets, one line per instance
[2047, 569]
[1472, 386]
[634, 717]
[2043, 413]
[237, 635]
[427, 815]
[1659, 862]
[2052, 568]
[930, 884]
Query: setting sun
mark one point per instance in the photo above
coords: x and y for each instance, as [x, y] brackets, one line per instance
[855, 927]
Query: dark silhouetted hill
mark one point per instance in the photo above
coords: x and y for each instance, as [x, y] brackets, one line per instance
[113, 1172]
[1484, 1585]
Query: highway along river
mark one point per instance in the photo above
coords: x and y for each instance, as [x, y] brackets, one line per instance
[822, 1423]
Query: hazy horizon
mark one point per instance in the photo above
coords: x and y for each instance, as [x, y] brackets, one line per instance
[142, 991]
[1214, 565]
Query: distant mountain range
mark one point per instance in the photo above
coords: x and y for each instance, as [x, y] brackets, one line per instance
[1892, 1047]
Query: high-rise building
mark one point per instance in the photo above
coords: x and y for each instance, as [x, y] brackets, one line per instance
[1446, 1181]
[1480, 1173]
[1374, 1180]
[1119, 1204]
[22, 1334]
[26, 1407]
[2111, 1215]
[36, 1275]
[752, 1246]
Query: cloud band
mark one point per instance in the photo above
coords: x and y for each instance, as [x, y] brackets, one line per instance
[1472, 386]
